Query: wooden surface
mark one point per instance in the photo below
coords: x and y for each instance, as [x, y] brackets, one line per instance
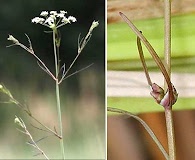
[139, 9]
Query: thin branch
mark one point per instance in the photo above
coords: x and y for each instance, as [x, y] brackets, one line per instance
[73, 62]
[82, 44]
[40, 129]
[42, 138]
[144, 124]
[31, 51]
[143, 61]
[27, 111]
[21, 123]
[57, 135]
[68, 76]
[35, 145]
[43, 64]
[29, 41]
[45, 70]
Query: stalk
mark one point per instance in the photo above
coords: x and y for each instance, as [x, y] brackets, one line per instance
[167, 56]
[58, 96]
[167, 36]
[170, 133]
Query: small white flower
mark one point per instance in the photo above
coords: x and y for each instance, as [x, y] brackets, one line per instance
[53, 13]
[49, 21]
[63, 12]
[38, 20]
[53, 16]
[61, 15]
[72, 19]
[65, 20]
[44, 13]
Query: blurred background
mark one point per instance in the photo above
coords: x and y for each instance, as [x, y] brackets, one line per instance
[127, 139]
[82, 95]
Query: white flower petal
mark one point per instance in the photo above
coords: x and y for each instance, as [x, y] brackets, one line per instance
[44, 13]
[63, 12]
[38, 20]
[50, 21]
[72, 19]
[65, 20]
[61, 15]
[53, 13]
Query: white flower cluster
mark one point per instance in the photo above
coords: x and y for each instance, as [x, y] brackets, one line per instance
[53, 19]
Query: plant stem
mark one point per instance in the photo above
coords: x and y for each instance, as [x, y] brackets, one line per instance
[58, 96]
[167, 56]
[167, 36]
[170, 133]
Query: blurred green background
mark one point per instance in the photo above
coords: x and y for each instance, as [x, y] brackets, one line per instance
[82, 95]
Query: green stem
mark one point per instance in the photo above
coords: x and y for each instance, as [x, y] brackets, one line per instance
[58, 97]
[167, 56]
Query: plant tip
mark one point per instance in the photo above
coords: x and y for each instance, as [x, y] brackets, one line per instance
[93, 25]
[11, 38]
[19, 122]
